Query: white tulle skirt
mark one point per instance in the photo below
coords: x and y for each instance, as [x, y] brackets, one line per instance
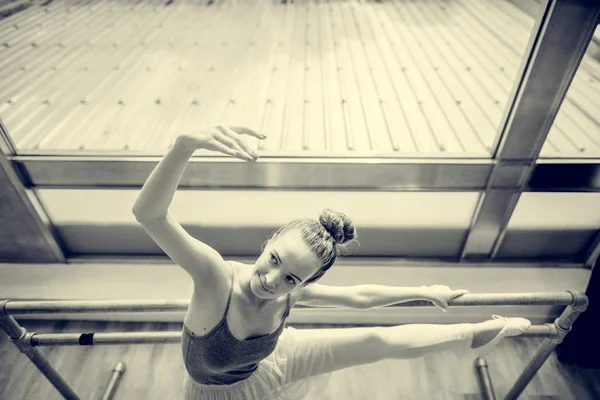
[293, 371]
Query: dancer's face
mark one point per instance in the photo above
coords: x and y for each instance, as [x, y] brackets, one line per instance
[283, 266]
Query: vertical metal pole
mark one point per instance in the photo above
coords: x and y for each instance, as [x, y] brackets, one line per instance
[118, 371]
[484, 379]
[563, 325]
[21, 338]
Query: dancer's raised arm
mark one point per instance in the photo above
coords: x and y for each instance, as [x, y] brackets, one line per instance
[152, 204]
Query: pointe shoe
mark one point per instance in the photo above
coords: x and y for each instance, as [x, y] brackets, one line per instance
[513, 327]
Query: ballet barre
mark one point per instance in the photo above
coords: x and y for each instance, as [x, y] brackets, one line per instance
[27, 342]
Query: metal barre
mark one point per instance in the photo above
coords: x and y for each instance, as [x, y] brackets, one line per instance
[101, 306]
[108, 338]
[27, 342]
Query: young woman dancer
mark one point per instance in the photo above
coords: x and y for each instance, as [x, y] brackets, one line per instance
[235, 343]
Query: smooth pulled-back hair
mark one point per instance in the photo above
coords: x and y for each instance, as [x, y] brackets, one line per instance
[332, 236]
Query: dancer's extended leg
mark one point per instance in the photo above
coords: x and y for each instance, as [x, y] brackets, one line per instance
[358, 346]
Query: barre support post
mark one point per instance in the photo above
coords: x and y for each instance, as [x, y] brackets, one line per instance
[22, 339]
[563, 325]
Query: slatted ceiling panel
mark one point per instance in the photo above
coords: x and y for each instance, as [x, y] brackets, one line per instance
[361, 94]
[246, 69]
[349, 99]
[333, 128]
[513, 39]
[256, 93]
[362, 91]
[66, 89]
[95, 77]
[571, 116]
[454, 59]
[232, 56]
[279, 111]
[351, 113]
[406, 47]
[568, 129]
[479, 48]
[150, 99]
[461, 72]
[491, 33]
[48, 87]
[67, 68]
[588, 90]
[227, 48]
[593, 68]
[442, 73]
[587, 125]
[333, 111]
[568, 133]
[292, 97]
[200, 74]
[115, 68]
[448, 122]
[99, 71]
[12, 33]
[483, 66]
[209, 79]
[143, 90]
[379, 115]
[429, 89]
[106, 76]
[367, 101]
[114, 43]
[394, 128]
[456, 69]
[285, 100]
[585, 93]
[363, 51]
[172, 99]
[314, 116]
[407, 100]
[271, 108]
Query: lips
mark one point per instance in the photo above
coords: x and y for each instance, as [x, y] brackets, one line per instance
[262, 285]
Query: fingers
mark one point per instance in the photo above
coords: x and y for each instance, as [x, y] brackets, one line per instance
[223, 148]
[250, 132]
[224, 136]
[231, 138]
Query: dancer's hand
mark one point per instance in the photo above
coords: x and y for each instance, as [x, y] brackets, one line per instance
[225, 139]
[440, 295]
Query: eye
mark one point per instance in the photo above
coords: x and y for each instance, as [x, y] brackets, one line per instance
[291, 280]
[274, 259]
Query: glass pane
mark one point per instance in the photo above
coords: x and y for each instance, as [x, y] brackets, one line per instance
[318, 77]
[556, 211]
[213, 207]
[552, 225]
[406, 224]
[576, 129]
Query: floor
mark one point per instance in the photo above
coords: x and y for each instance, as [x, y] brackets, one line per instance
[155, 371]
[319, 77]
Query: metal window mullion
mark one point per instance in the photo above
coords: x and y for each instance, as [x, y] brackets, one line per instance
[558, 42]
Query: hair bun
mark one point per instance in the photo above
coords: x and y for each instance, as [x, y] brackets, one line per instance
[338, 225]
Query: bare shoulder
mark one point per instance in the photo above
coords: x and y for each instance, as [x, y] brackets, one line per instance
[209, 297]
[213, 281]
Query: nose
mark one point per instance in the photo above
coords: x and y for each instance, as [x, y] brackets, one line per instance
[269, 283]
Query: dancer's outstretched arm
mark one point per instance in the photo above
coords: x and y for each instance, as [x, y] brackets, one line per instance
[372, 296]
[381, 296]
[151, 208]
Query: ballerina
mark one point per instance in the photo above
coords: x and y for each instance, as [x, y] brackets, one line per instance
[235, 344]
